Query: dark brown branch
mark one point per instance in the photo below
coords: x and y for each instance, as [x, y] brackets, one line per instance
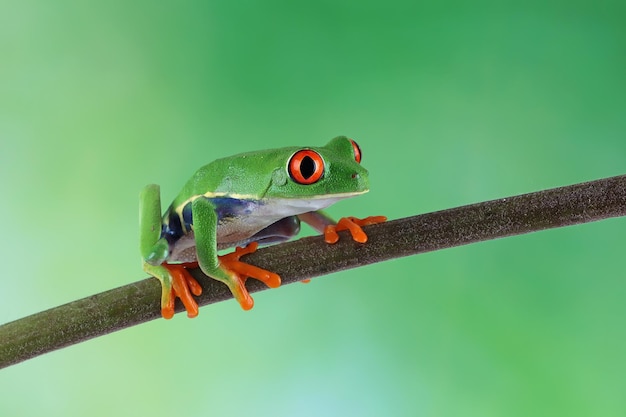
[310, 257]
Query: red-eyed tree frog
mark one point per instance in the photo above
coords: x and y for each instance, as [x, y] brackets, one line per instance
[245, 200]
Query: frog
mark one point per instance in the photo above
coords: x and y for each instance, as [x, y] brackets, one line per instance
[243, 201]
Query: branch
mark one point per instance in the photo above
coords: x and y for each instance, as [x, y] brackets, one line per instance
[310, 257]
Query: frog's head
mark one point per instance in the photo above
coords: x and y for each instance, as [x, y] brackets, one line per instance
[332, 171]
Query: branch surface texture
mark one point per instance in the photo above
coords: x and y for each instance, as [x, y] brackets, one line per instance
[309, 257]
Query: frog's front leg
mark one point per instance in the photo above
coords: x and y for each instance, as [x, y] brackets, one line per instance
[175, 280]
[228, 268]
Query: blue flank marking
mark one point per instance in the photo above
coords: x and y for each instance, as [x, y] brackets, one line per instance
[173, 229]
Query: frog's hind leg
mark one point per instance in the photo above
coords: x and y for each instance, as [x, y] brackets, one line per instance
[150, 225]
[175, 279]
[280, 231]
[227, 269]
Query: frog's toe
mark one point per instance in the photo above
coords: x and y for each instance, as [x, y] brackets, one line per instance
[237, 286]
[167, 303]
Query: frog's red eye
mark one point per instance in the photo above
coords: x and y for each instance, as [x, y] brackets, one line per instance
[306, 167]
[357, 151]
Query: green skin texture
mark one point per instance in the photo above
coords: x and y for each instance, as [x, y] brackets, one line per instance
[260, 176]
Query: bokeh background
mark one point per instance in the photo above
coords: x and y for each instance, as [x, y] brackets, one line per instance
[452, 103]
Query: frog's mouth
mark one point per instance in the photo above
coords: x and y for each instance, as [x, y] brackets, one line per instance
[337, 196]
[284, 207]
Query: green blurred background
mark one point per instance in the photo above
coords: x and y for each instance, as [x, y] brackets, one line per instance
[451, 102]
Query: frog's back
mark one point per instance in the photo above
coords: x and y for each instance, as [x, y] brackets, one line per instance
[245, 175]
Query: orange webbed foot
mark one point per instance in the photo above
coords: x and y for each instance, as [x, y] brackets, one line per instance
[241, 271]
[183, 286]
[353, 225]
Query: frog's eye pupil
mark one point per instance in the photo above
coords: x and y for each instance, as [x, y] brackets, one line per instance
[306, 167]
